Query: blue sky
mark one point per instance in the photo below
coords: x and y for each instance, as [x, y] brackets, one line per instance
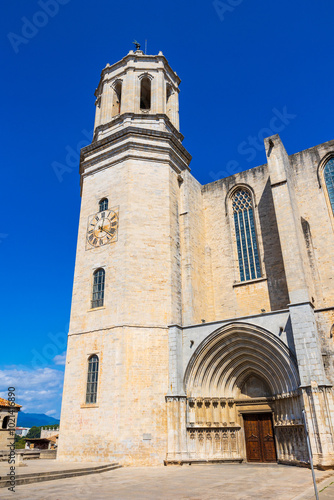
[248, 69]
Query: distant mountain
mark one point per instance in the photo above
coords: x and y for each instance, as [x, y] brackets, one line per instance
[37, 419]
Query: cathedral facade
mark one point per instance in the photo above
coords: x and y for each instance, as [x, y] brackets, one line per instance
[202, 316]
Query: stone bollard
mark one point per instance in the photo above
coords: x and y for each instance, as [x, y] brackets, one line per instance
[19, 460]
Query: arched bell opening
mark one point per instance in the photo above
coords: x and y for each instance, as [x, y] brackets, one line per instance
[5, 422]
[117, 98]
[169, 101]
[145, 94]
[242, 385]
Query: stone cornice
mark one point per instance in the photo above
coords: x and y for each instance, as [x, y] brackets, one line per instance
[120, 118]
[173, 158]
[214, 428]
[142, 57]
[228, 320]
[324, 309]
[175, 397]
[112, 78]
[178, 155]
[302, 303]
[279, 183]
[121, 325]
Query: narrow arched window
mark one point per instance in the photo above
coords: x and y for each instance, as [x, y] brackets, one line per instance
[169, 94]
[329, 179]
[145, 93]
[98, 288]
[117, 98]
[92, 378]
[248, 255]
[103, 205]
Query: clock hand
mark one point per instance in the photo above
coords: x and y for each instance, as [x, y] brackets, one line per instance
[108, 232]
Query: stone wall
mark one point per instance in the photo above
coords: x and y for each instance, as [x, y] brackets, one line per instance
[232, 297]
[138, 170]
[128, 422]
[129, 334]
[174, 263]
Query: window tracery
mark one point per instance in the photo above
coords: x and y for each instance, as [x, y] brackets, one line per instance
[247, 247]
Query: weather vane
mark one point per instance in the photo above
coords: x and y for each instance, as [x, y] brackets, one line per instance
[136, 44]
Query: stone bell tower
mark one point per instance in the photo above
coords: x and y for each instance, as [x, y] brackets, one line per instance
[127, 283]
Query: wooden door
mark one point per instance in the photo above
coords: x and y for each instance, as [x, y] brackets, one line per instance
[259, 434]
[267, 437]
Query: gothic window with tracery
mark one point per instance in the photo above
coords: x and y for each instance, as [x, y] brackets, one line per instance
[329, 180]
[248, 255]
[98, 288]
[92, 378]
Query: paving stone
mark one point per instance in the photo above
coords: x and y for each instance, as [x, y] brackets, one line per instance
[208, 482]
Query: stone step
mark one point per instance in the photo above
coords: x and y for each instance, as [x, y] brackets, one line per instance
[52, 475]
[47, 473]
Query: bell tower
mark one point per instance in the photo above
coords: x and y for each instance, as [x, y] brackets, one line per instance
[127, 282]
[138, 86]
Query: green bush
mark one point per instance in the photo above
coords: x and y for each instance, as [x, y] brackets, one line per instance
[34, 432]
[20, 443]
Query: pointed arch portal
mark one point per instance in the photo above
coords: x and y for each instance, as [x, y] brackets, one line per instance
[242, 400]
[229, 356]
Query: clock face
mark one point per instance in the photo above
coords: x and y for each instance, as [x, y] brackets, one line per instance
[102, 228]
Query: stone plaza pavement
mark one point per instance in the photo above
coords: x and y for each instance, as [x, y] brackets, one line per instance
[196, 482]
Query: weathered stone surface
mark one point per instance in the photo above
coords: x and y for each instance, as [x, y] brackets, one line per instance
[182, 341]
[206, 482]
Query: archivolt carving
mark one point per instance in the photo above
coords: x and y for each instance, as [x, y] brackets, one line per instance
[229, 356]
